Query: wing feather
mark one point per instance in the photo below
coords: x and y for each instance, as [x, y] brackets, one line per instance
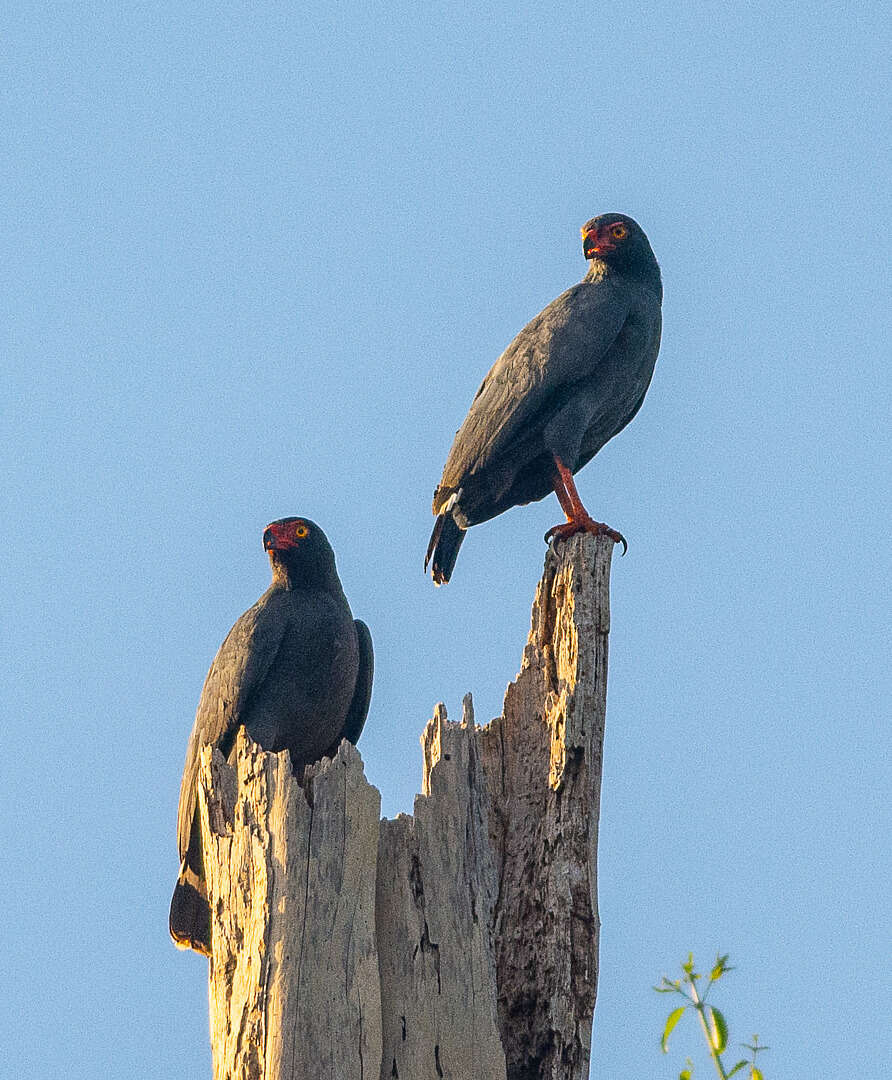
[362, 694]
[561, 345]
[240, 666]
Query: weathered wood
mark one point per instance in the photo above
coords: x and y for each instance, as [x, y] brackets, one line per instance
[459, 943]
[294, 989]
[543, 760]
[436, 896]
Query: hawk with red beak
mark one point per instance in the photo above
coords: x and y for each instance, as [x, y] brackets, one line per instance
[295, 669]
[571, 380]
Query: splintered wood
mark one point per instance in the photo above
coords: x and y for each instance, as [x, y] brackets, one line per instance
[291, 876]
[458, 943]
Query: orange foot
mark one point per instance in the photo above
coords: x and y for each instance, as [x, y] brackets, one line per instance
[585, 524]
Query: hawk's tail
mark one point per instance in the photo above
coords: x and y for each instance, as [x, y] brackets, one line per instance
[442, 551]
[190, 912]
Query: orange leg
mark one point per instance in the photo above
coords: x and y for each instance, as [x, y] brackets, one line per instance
[578, 519]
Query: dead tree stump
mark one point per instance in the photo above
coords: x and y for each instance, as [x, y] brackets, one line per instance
[458, 943]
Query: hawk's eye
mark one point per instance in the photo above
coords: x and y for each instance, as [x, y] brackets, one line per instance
[618, 231]
[301, 531]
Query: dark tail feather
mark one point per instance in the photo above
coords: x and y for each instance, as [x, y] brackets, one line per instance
[442, 551]
[190, 912]
[190, 918]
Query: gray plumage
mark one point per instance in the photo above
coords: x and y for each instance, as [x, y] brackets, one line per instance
[295, 669]
[571, 380]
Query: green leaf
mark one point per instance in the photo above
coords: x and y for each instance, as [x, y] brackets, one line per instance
[738, 1067]
[719, 1030]
[671, 1020]
[756, 1047]
[721, 966]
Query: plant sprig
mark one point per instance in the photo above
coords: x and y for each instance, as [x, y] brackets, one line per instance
[712, 1021]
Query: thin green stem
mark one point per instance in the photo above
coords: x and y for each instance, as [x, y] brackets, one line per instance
[701, 1012]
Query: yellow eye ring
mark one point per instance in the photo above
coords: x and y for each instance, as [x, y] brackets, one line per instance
[301, 531]
[618, 232]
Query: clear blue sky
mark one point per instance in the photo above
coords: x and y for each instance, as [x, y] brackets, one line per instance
[257, 258]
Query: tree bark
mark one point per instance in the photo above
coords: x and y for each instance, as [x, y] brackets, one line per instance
[460, 942]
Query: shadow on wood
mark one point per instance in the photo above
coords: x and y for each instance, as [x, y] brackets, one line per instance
[458, 943]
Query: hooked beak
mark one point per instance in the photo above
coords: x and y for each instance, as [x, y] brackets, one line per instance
[590, 245]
